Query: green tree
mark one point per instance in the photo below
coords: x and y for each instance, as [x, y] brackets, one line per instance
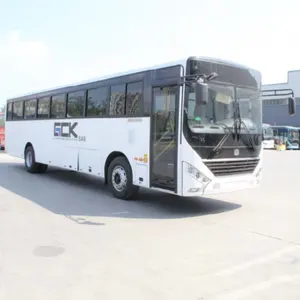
[2, 109]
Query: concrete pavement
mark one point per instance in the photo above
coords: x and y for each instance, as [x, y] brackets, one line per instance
[62, 236]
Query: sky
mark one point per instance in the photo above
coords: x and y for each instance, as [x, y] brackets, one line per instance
[45, 44]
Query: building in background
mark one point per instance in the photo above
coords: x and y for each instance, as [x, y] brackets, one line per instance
[273, 112]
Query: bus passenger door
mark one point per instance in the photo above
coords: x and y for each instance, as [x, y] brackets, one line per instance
[163, 171]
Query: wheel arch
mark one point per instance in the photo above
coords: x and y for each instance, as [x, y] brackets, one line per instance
[28, 144]
[109, 159]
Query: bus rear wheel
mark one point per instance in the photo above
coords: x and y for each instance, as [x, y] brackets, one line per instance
[31, 165]
[120, 179]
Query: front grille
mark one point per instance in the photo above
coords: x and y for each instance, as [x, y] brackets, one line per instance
[232, 167]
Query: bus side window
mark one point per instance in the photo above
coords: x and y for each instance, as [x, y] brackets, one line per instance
[29, 109]
[17, 110]
[75, 104]
[9, 112]
[117, 100]
[134, 98]
[97, 100]
[43, 108]
[58, 106]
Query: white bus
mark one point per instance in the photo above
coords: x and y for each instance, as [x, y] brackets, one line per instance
[268, 137]
[177, 128]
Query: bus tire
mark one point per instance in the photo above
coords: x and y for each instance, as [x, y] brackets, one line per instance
[30, 164]
[120, 179]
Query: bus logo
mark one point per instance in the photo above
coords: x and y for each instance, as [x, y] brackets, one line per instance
[65, 129]
[236, 152]
[57, 131]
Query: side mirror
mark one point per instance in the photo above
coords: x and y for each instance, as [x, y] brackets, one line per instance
[201, 92]
[292, 106]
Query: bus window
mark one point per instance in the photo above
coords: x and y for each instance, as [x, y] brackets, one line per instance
[9, 111]
[43, 108]
[117, 100]
[17, 110]
[58, 106]
[97, 100]
[76, 103]
[134, 98]
[30, 109]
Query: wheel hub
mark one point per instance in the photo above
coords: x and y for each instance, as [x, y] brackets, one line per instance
[29, 159]
[119, 178]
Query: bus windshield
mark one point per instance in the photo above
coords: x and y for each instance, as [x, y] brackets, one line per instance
[219, 109]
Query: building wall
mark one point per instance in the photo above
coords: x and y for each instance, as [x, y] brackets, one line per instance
[275, 109]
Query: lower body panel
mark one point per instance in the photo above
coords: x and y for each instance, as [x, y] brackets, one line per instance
[208, 184]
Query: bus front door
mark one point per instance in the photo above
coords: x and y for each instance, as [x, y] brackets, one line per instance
[163, 157]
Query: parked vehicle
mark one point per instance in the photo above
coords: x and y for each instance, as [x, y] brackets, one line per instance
[268, 137]
[288, 135]
[2, 131]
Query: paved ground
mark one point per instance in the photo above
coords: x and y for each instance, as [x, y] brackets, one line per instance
[62, 236]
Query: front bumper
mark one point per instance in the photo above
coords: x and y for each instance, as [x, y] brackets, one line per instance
[219, 184]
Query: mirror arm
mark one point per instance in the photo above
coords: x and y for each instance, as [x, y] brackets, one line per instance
[282, 92]
[195, 77]
[278, 92]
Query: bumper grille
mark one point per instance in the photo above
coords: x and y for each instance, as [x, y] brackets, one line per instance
[232, 167]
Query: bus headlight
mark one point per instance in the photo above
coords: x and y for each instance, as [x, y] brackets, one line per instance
[194, 172]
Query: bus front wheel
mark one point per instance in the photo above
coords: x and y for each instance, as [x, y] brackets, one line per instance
[120, 179]
[31, 165]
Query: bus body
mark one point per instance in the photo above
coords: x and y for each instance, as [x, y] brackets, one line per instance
[287, 135]
[268, 137]
[148, 128]
[2, 131]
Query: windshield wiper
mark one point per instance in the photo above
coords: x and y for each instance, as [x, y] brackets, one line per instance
[237, 131]
[237, 128]
[219, 146]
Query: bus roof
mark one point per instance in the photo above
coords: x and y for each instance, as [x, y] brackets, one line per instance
[181, 62]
